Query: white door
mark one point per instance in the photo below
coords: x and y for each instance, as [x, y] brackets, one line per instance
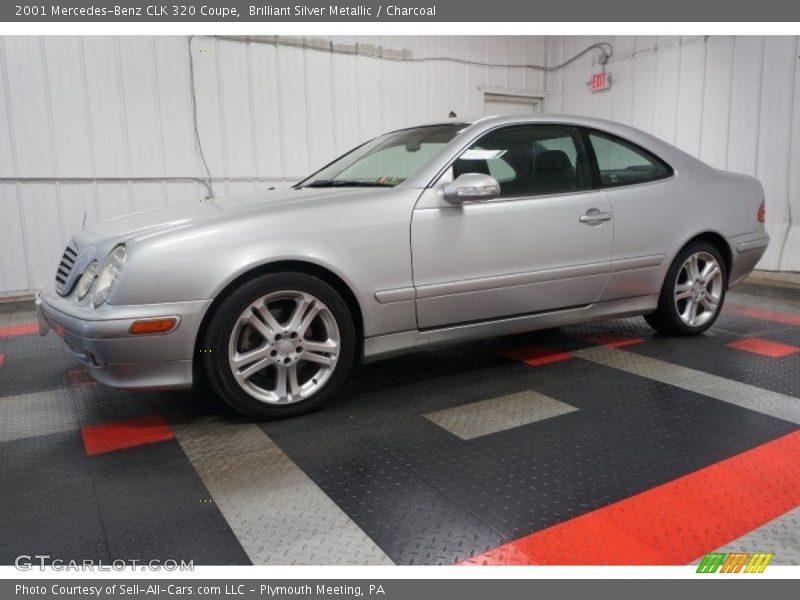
[496, 104]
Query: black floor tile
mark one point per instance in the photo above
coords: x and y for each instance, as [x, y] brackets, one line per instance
[47, 500]
[41, 461]
[711, 355]
[160, 511]
[60, 520]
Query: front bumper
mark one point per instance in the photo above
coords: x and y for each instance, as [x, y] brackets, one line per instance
[99, 339]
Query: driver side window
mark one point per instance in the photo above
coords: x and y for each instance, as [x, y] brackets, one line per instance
[529, 160]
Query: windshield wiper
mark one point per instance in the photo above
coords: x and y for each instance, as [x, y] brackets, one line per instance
[319, 183]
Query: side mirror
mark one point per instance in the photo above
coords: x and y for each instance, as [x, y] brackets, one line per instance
[471, 187]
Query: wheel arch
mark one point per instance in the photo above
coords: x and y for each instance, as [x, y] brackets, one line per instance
[284, 266]
[718, 241]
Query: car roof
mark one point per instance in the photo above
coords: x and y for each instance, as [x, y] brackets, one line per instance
[491, 121]
[486, 123]
[511, 118]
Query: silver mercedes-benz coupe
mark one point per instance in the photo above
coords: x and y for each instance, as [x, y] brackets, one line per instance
[430, 234]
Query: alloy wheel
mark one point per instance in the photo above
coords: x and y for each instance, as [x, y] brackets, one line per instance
[698, 289]
[284, 347]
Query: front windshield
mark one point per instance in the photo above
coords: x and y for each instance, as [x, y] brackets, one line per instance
[387, 160]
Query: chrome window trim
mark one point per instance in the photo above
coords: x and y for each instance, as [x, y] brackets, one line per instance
[587, 131]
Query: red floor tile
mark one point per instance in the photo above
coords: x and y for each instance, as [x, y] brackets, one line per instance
[764, 347]
[505, 556]
[2, 359]
[108, 437]
[537, 355]
[767, 315]
[670, 521]
[679, 521]
[613, 340]
[589, 540]
[726, 488]
[23, 329]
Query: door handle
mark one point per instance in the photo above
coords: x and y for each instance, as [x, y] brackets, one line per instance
[595, 216]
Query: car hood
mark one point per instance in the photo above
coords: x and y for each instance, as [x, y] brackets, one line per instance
[147, 223]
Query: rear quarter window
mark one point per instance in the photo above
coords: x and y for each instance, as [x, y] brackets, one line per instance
[620, 162]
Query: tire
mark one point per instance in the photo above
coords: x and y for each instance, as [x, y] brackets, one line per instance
[674, 316]
[271, 327]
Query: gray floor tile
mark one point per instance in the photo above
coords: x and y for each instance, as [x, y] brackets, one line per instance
[278, 514]
[42, 413]
[498, 414]
[780, 536]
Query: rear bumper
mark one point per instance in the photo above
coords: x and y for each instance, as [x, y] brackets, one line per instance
[100, 340]
[747, 250]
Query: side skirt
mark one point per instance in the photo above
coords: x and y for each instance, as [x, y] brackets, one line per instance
[385, 346]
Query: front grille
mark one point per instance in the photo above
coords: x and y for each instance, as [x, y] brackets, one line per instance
[63, 280]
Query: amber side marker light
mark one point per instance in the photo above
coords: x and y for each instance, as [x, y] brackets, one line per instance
[153, 326]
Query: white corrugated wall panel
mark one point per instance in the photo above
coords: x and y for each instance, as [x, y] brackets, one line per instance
[267, 122]
[731, 101]
[644, 83]
[293, 110]
[29, 106]
[623, 88]
[13, 257]
[717, 101]
[42, 224]
[344, 100]
[745, 103]
[668, 65]
[791, 249]
[691, 83]
[120, 109]
[107, 121]
[774, 138]
[175, 106]
[68, 114]
[320, 112]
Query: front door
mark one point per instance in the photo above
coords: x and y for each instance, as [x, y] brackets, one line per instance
[544, 244]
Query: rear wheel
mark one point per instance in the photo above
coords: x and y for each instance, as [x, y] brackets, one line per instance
[280, 345]
[693, 291]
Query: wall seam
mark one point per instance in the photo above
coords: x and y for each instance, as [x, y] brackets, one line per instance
[254, 147]
[223, 137]
[792, 117]
[702, 100]
[160, 120]
[90, 122]
[730, 106]
[125, 130]
[53, 145]
[15, 161]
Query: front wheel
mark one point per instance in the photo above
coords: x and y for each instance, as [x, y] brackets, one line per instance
[280, 345]
[693, 291]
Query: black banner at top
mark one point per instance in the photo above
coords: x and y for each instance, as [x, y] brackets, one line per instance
[398, 11]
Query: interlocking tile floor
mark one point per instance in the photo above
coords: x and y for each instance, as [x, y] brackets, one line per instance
[502, 451]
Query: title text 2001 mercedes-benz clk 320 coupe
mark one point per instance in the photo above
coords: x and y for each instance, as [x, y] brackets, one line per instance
[426, 235]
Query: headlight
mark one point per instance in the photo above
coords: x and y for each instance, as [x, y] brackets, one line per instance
[108, 276]
[86, 281]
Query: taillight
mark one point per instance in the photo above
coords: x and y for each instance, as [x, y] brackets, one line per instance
[762, 212]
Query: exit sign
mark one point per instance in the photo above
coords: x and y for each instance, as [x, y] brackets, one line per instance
[600, 81]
